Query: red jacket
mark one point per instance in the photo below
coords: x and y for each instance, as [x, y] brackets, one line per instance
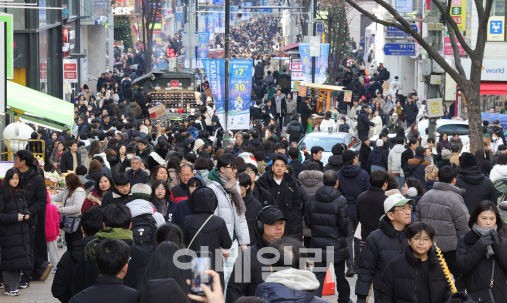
[52, 221]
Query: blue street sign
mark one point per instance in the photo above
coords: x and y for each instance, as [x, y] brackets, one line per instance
[320, 28]
[179, 16]
[399, 49]
[395, 32]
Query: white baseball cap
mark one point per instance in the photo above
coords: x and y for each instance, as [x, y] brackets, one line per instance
[396, 200]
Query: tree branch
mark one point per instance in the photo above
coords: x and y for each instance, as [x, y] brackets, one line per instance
[452, 39]
[447, 17]
[373, 17]
[480, 8]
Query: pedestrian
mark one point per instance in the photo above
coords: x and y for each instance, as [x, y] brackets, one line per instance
[394, 161]
[52, 231]
[104, 184]
[444, 208]
[370, 204]
[377, 160]
[443, 143]
[499, 171]
[70, 159]
[253, 206]
[182, 208]
[364, 155]
[14, 248]
[160, 198]
[311, 178]
[416, 275]
[179, 191]
[119, 193]
[316, 156]
[480, 255]
[415, 167]
[363, 123]
[335, 162]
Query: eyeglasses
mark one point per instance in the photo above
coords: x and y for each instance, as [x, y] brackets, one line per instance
[249, 172]
[232, 167]
[422, 240]
[406, 208]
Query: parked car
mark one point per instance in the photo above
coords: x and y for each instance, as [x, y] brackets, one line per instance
[446, 126]
[327, 140]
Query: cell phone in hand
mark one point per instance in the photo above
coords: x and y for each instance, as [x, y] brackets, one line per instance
[199, 276]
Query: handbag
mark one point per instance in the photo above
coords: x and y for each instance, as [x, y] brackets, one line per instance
[202, 226]
[69, 224]
[485, 295]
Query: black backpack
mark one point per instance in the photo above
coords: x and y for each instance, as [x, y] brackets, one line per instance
[294, 131]
[143, 229]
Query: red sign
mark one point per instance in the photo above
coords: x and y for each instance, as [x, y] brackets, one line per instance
[43, 72]
[175, 84]
[70, 70]
[296, 66]
[448, 47]
[157, 31]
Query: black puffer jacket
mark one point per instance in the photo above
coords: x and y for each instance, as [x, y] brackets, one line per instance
[287, 197]
[253, 206]
[353, 182]
[114, 196]
[114, 163]
[335, 162]
[380, 248]
[370, 207]
[471, 261]
[405, 280]
[363, 123]
[67, 161]
[328, 218]
[477, 187]
[13, 234]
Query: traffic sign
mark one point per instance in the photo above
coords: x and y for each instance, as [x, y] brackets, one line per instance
[179, 13]
[399, 49]
[395, 32]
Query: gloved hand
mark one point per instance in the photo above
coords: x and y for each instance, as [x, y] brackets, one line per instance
[487, 239]
[361, 299]
[494, 236]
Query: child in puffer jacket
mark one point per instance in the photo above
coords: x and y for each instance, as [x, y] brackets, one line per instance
[52, 231]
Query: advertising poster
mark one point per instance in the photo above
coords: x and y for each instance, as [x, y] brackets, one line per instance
[304, 52]
[322, 63]
[215, 70]
[203, 48]
[240, 91]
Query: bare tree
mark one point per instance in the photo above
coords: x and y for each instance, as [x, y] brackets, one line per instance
[150, 10]
[469, 86]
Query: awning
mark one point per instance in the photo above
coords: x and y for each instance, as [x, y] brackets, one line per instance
[38, 107]
[493, 88]
[322, 86]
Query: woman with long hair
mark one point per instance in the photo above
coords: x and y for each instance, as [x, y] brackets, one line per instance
[95, 150]
[443, 142]
[72, 198]
[13, 231]
[327, 123]
[56, 157]
[95, 197]
[160, 198]
[481, 255]
[122, 156]
[173, 168]
[113, 160]
[95, 172]
[157, 173]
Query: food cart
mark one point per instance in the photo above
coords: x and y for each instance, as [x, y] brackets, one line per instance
[325, 92]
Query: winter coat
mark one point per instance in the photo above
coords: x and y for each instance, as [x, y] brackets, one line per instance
[102, 155]
[139, 176]
[295, 130]
[262, 195]
[327, 216]
[443, 208]
[114, 164]
[158, 290]
[236, 223]
[182, 208]
[179, 192]
[92, 199]
[499, 171]
[370, 208]
[203, 203]
[364, 155]
[404, 280]
[285, 81]
[54, 158]
[378, 157]
[83, 153]
[170, 206]
[352, 182]
[73, 273]
[253, 206]
[256, 113]
[71, 205]
[114, 196]
[475, 267]
[335, 162]
[363, 123]
[316, 161]
[291, 105]
[106, 289]
[297, 167]
[477, 187]
[327, 125]
[133, 108]
[290, 285]
[288, 198]
[381, 246]
[394, 160]
[13, 234]
[312, 180]
[377, 129]
[52, 223]
[139, 207]
[415, 168]
[410, 111]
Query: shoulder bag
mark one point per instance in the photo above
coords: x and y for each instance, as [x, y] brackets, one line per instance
[485, 295]
[69, 224]
[202, 226]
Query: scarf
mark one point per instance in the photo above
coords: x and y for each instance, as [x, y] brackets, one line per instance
[482, 231]
[109, 233]
[162, 206]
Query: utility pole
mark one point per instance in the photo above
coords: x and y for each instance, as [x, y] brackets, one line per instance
[110, 35]
[433, 90]
[227, 55]
[314, 33]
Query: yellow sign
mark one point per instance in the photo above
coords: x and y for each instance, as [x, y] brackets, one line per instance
[459, 13]
[496, 28]
[435, 108]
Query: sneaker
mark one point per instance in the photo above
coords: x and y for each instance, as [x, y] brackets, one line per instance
[46, 273]
[12, 293]
[24, 285]
[350, 272]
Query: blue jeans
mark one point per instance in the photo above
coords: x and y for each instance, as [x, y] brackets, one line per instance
[400, 180]
[375, 168]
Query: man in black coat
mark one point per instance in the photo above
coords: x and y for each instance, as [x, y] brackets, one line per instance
[295, 129]
[36, 198]
[112, 257]
[409, 153]
[383, 245]
[370, 204]
[316, 156]
[306, 113]
[296, 165]
[363, 123]
[120, 193]
[240, 283]
[327, 216]
[410, 109]
[69, 158]
[74, 273]
[136, 174]
[287, 194]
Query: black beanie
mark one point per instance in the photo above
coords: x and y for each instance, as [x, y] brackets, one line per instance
[467, 160]
[348, 157]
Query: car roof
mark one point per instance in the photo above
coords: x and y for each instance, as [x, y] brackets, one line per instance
[443, 122]
[328, 134]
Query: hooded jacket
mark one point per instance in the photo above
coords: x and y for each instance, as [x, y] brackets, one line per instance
[378, 157]
[370, 208]
[183, 208]
[312, 180]
[335, 162]
[443, 208]
[158, 290]
[415, 168]
[477, 187]
[253, 206]
[236, 222]
[139, 207]
[327, 217]
[290, 285]
[214, 234]
[499, 171]
[352, 182]
[405, 279]
[114, 196]
[383, 245]
[394, 160]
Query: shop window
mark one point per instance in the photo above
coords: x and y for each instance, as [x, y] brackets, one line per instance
[498, 8]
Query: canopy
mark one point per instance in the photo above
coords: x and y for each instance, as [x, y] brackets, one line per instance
[35, 106]
[493, 88]
[322, 86]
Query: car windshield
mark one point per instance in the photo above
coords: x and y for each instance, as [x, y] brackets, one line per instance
[326, 143]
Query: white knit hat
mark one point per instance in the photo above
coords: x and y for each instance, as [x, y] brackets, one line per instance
[379, 143]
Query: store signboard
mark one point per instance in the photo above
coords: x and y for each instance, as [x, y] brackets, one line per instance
[404, 6]
[70, 70]
[296, 66]
[496, 28]
[459, 13]
[175, 84]
[448, 50]
[492, 69]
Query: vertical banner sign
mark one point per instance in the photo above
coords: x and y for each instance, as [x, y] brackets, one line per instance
[322, 63]
[459, 13]
[496, 28]
[215, 71]
[304, 52]
[217, 22]
[211, 24]
[234, 8]
[70, 70]
[221, 23]
[9, 38]
[240, 91]
[404, 6]
[203, 48]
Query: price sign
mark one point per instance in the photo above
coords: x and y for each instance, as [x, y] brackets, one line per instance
[175, 84]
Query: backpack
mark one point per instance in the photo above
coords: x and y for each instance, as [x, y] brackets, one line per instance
[294, 131]
[143, 229]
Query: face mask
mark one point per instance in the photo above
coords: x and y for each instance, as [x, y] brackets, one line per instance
[90, 109]
[129, 156]
[494, 138]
